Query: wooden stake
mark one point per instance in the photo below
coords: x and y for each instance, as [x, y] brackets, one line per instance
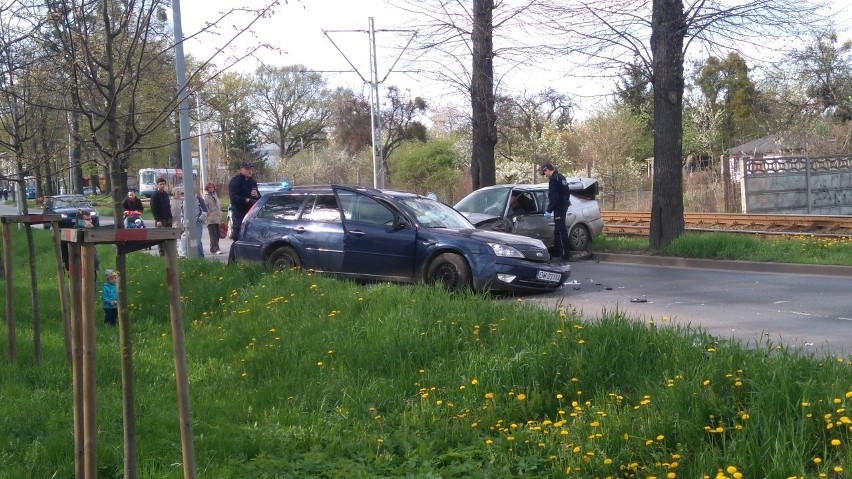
[77, 356]
[181, 375]
[90, 428]
[63, 289]
[10, 307]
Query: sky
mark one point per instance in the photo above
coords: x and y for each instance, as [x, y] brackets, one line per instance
[296, 30]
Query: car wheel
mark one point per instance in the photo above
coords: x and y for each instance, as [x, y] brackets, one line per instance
[450, 271]
[578, 238]
[284, 258]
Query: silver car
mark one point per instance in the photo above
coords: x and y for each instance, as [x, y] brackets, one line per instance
[519, 209]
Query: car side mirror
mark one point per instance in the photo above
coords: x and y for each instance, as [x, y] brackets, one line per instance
[398, 223]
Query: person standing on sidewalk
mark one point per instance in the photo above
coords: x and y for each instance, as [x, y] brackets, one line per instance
[214, 217]
[558, 201]
[161, 209]
[178, 220]
[242, 190]
[198, 224]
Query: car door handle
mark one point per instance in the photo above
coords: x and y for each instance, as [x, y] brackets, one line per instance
[299, 229]
[357, 233]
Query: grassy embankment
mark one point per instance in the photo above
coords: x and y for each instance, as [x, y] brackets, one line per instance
[801, 249]
[295, 375]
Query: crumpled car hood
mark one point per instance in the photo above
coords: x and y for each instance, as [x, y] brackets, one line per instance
[479, 218]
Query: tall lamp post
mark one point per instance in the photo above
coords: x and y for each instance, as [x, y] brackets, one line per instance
[190, 208]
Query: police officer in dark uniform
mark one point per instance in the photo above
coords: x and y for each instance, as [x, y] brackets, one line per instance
[242, 190]
[558, 201]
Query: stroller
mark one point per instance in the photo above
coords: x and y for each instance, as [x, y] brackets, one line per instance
[133, 219]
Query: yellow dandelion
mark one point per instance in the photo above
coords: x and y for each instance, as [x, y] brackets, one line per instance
[835, 442]
[489, 395]
[521, 397]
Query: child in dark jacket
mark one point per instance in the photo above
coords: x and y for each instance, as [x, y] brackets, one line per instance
[110, 298]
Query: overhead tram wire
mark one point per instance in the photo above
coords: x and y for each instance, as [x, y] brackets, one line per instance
[379, 173]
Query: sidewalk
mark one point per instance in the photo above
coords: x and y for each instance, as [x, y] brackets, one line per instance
[106, 221]
[224, 245]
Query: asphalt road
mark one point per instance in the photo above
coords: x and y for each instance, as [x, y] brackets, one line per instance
[809, 308]
[799, 310]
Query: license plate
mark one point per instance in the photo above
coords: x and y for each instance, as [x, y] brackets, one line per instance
[548, 276]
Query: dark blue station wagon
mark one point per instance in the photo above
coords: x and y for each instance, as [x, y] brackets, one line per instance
[381, 235]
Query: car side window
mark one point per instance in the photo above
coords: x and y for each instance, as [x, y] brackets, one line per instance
[522, 202]
[282, 207]
[541, 200]
[324, 209]
[370, 211]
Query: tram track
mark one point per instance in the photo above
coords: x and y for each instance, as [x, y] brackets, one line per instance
[637, 223]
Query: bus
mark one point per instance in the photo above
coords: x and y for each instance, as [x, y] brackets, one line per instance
[148, 179]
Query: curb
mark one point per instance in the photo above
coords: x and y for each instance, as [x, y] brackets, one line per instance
[725, 265]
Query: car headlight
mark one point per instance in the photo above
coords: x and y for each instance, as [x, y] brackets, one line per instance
[504, 250]
[94, 213]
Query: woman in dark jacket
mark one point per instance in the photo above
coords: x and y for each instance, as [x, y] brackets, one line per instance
[132, 203]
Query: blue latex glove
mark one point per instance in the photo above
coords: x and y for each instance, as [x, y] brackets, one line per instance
[548, 215]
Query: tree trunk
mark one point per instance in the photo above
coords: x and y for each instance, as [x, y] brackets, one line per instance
[94, 183]
[668, 31]
[482, 96]
[115, 167]
[76, 185]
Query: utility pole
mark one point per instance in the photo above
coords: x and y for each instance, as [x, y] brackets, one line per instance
[379, 178]
[379, 170]
[202, 157]
[190, 205]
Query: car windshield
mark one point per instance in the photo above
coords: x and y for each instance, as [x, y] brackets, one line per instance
[490, 200]
[434, 214]
[71, 203]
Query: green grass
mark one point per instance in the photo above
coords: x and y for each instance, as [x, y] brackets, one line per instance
[294, 375]
[802, 249]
